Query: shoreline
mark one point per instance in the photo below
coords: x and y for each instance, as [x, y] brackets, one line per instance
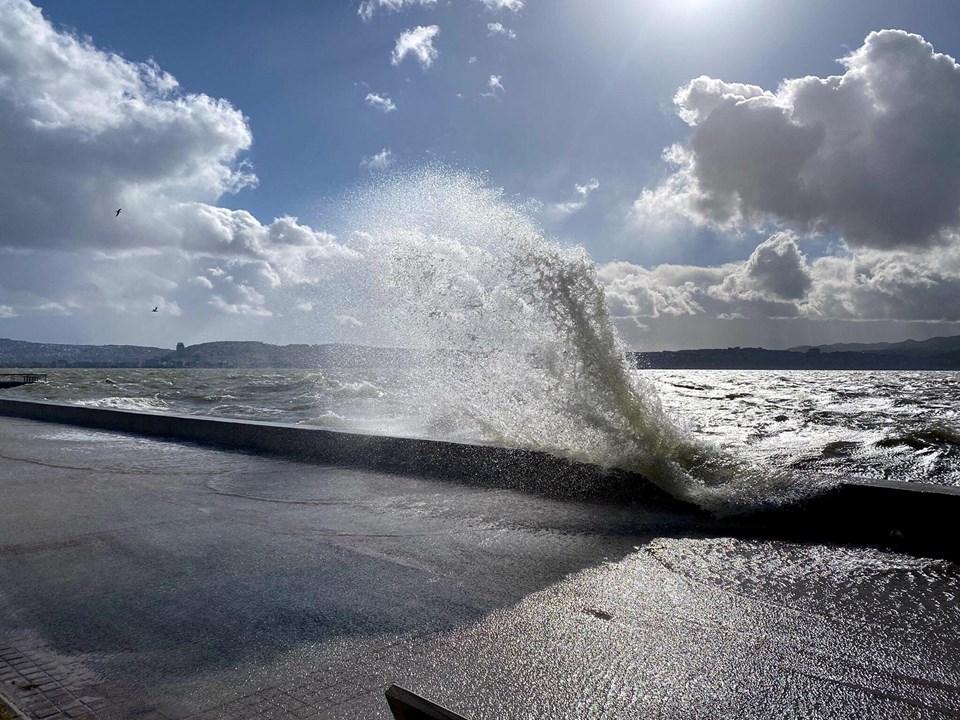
[907, 517]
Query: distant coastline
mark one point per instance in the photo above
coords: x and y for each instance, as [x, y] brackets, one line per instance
[225, 354]
[941, 353]
[761, 359]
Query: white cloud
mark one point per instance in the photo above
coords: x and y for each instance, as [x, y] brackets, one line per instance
[778, 281]
[495, 87]
[381, 161]
[7, 312]
[419, 42]
[776, 270]
[635, 291]
[238, 308]
[84, 132]
[202, 281]
[471, 60]
[870, 155]
[251, 295]
[587, 188]
[584, 192]
[368, 8]
[380, 102]
[514, 5]
[887, 285]
[348, 320]
[81, 105]
[165, 306]
[496, 28]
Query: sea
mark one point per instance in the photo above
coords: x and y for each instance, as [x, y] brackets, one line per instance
[513, 343]
[825, 426]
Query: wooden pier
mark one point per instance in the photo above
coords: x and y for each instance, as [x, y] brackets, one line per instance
[9, 380]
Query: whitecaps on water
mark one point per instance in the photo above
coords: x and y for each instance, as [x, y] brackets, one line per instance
[126, 403]
[517, 347]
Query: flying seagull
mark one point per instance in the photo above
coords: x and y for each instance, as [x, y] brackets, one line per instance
[156, 308]
[118, 212]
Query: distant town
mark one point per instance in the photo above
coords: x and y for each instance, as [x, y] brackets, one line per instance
[229, 354]
[942, 353]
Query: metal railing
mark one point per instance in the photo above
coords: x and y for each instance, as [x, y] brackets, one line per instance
[23, 378]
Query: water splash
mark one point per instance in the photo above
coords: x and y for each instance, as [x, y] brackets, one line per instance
[517, 342]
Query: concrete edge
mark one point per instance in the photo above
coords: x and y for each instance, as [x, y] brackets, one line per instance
[480, 464]
[909, 517]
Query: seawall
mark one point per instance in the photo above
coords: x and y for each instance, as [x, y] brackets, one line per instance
[480, 464]
[910, 517]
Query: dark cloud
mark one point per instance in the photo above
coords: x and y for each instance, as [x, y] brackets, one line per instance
[775, 271]
[872, 155]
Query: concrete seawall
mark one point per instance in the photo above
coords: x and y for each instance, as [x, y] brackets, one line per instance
[903, 516]
[481, 464]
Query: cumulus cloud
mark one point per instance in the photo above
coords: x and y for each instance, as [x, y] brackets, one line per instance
[202, 281]
[776, 270]
[887, 285]
[635, 291]
[513, 5]
[779, 281]
[381, 161]
[496, 28]
[872, 154]
[348, 320]
[584, 192]
[419, 43]
[380, 102]
[238, 308]
[368, 8]
[83, 132]
[494, 83]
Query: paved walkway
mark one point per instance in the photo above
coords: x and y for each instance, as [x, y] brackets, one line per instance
[147, 579]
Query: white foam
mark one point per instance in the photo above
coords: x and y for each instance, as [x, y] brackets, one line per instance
[522, 348]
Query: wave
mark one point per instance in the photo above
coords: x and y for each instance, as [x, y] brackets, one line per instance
[150, 404]
[932, 437]
[523, 351]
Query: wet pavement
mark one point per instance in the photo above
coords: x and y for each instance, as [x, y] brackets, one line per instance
[148, 579]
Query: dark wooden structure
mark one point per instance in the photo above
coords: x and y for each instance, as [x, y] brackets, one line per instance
[406, 705]
[9, 380]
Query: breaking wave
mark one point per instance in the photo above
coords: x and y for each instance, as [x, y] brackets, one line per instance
[519, 345]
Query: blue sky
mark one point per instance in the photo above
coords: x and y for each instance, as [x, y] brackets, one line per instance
[588, 87]
[578, 125]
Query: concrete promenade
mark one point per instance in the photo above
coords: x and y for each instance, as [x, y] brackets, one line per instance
[142, 578]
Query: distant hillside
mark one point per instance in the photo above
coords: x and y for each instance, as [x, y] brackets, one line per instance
[942, 353]
[17, 353]
[250, 354]
[935, 354]
[933, 346]
[234, 354]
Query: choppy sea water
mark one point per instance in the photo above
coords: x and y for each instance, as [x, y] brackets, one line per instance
[820, 424]
[515, 345]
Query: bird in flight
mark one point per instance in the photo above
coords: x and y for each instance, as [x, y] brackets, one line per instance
[156, 308]
[118, 212]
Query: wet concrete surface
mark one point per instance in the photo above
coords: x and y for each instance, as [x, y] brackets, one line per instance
[148, 579]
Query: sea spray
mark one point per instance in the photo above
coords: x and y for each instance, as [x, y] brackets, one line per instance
[516, 342]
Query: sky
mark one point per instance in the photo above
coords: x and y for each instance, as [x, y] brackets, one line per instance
[740, 172]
